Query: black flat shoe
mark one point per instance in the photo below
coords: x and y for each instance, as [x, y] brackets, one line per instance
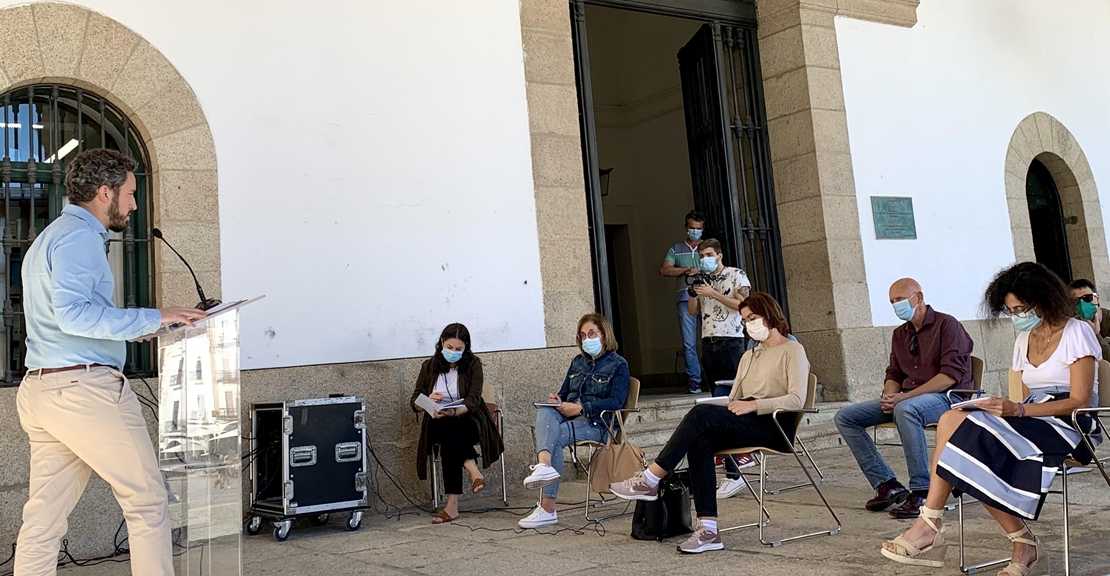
[909, 509]
[888, 494]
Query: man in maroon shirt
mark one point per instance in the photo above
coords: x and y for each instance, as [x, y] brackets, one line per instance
[929, 355]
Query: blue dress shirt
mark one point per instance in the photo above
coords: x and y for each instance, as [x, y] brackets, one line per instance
[67, 298]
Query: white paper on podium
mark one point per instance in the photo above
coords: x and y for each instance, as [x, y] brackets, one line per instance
[221, 309]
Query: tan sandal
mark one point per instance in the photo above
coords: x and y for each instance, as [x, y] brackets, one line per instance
[442, 517]
[477, 485]
[932, 555]
[1015, 569]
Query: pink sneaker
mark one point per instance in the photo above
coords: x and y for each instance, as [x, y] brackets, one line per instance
[635, 488]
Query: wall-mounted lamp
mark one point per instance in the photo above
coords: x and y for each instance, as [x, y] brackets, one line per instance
[604, 173]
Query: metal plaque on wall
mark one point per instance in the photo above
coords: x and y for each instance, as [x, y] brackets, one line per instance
[893, 218]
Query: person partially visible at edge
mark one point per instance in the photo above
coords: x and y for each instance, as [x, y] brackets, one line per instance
[682, 261]
[930, 354]
[452, 374]
[1089, 309]
[1006, 454]
[723, 342]
[596, 381]
[772, 376]
[75, 404]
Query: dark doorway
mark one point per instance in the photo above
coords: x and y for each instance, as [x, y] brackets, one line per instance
[671, 108]
[1046, 216]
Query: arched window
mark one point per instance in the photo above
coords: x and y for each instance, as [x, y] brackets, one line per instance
[41, 128]
[1046, 216]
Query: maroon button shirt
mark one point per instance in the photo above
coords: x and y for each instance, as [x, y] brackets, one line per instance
[943, 347]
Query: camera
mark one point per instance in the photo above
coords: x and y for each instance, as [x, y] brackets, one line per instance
[696, 280]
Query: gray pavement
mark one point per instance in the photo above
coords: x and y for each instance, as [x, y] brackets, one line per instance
[487, 544]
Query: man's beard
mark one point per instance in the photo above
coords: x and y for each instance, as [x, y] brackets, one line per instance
[117, 222]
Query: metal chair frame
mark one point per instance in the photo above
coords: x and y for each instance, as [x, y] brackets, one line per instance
[614, 425]
[1104, 407]
[764, 452]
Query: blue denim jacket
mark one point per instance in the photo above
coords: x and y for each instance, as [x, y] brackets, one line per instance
[597, 385]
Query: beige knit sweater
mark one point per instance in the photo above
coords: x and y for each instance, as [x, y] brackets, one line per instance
[777, 377]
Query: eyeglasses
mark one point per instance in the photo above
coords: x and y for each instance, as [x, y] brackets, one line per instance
[589, 335]
[1018, 314]
[1088, 298]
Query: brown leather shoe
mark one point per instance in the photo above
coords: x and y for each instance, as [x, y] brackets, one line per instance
[909, 509]
[889, 493]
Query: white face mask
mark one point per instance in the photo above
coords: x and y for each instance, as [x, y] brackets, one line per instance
[757, 330]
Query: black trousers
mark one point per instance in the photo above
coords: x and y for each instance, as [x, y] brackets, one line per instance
[721, 358]
[456, 437]
[707, 429]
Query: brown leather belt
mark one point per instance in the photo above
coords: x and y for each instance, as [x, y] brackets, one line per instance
[45, 371]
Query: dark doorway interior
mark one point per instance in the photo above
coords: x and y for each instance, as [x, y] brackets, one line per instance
[1046, 215]
[672, 121]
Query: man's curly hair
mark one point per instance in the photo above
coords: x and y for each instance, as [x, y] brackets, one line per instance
[94, 168]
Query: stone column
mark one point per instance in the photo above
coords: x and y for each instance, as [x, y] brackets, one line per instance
[814, 185]
[564, 239]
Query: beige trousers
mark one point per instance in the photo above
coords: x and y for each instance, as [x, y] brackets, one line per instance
[79, 422]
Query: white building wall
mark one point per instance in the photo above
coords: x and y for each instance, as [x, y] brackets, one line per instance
[374, 169]
[931, 111]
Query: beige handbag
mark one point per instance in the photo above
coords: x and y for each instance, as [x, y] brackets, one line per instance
[614, 461]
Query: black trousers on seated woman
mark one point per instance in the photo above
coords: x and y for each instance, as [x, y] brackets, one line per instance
[456, 437]
[707, 429]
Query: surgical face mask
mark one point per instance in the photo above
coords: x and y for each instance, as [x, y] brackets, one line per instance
[592, 346]
[758, 330]
[709, 263]
[1086, 310]
[1025, 321]
[693, 233]
[451, 356]
[903, 310]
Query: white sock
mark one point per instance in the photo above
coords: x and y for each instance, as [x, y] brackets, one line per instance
[651, 479]
[710, 525]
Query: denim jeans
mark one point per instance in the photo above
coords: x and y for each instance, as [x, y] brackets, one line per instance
[911, 416]
[554, 432]
[689, 326]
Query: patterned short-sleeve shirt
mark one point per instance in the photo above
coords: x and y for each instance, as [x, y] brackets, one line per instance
[718, 320]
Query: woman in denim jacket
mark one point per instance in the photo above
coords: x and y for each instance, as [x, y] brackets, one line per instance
[596, 381]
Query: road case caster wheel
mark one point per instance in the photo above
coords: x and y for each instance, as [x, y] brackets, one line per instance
[254, 526]
[354, 521]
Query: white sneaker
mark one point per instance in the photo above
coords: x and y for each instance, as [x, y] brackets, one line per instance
[539, 518]
[730, 487]
[542, 475]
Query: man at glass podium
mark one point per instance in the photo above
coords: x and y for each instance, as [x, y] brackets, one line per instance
[74, 403]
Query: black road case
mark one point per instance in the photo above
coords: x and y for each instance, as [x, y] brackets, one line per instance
[307, 458]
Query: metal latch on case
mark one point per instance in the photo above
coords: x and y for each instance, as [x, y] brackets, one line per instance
[348, 452]
[302, 456]
[360, 419]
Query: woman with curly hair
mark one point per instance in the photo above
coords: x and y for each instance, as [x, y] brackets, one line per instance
[1005, 454]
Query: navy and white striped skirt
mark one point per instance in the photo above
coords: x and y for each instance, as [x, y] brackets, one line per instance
[1009, 462]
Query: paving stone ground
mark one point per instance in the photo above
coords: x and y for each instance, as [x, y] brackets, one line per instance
[486, 544]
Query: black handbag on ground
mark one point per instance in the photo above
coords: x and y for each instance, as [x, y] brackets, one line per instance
[667, 516]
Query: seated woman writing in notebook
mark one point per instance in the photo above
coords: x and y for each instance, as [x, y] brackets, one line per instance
[596, 381]
[773, 375]
[454, 373]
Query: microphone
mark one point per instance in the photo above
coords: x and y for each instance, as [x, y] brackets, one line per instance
[205, 303]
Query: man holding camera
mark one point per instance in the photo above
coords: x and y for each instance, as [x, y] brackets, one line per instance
[682, 262]
[716, 294]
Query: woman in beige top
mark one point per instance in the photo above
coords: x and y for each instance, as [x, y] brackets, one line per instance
[771, 376]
